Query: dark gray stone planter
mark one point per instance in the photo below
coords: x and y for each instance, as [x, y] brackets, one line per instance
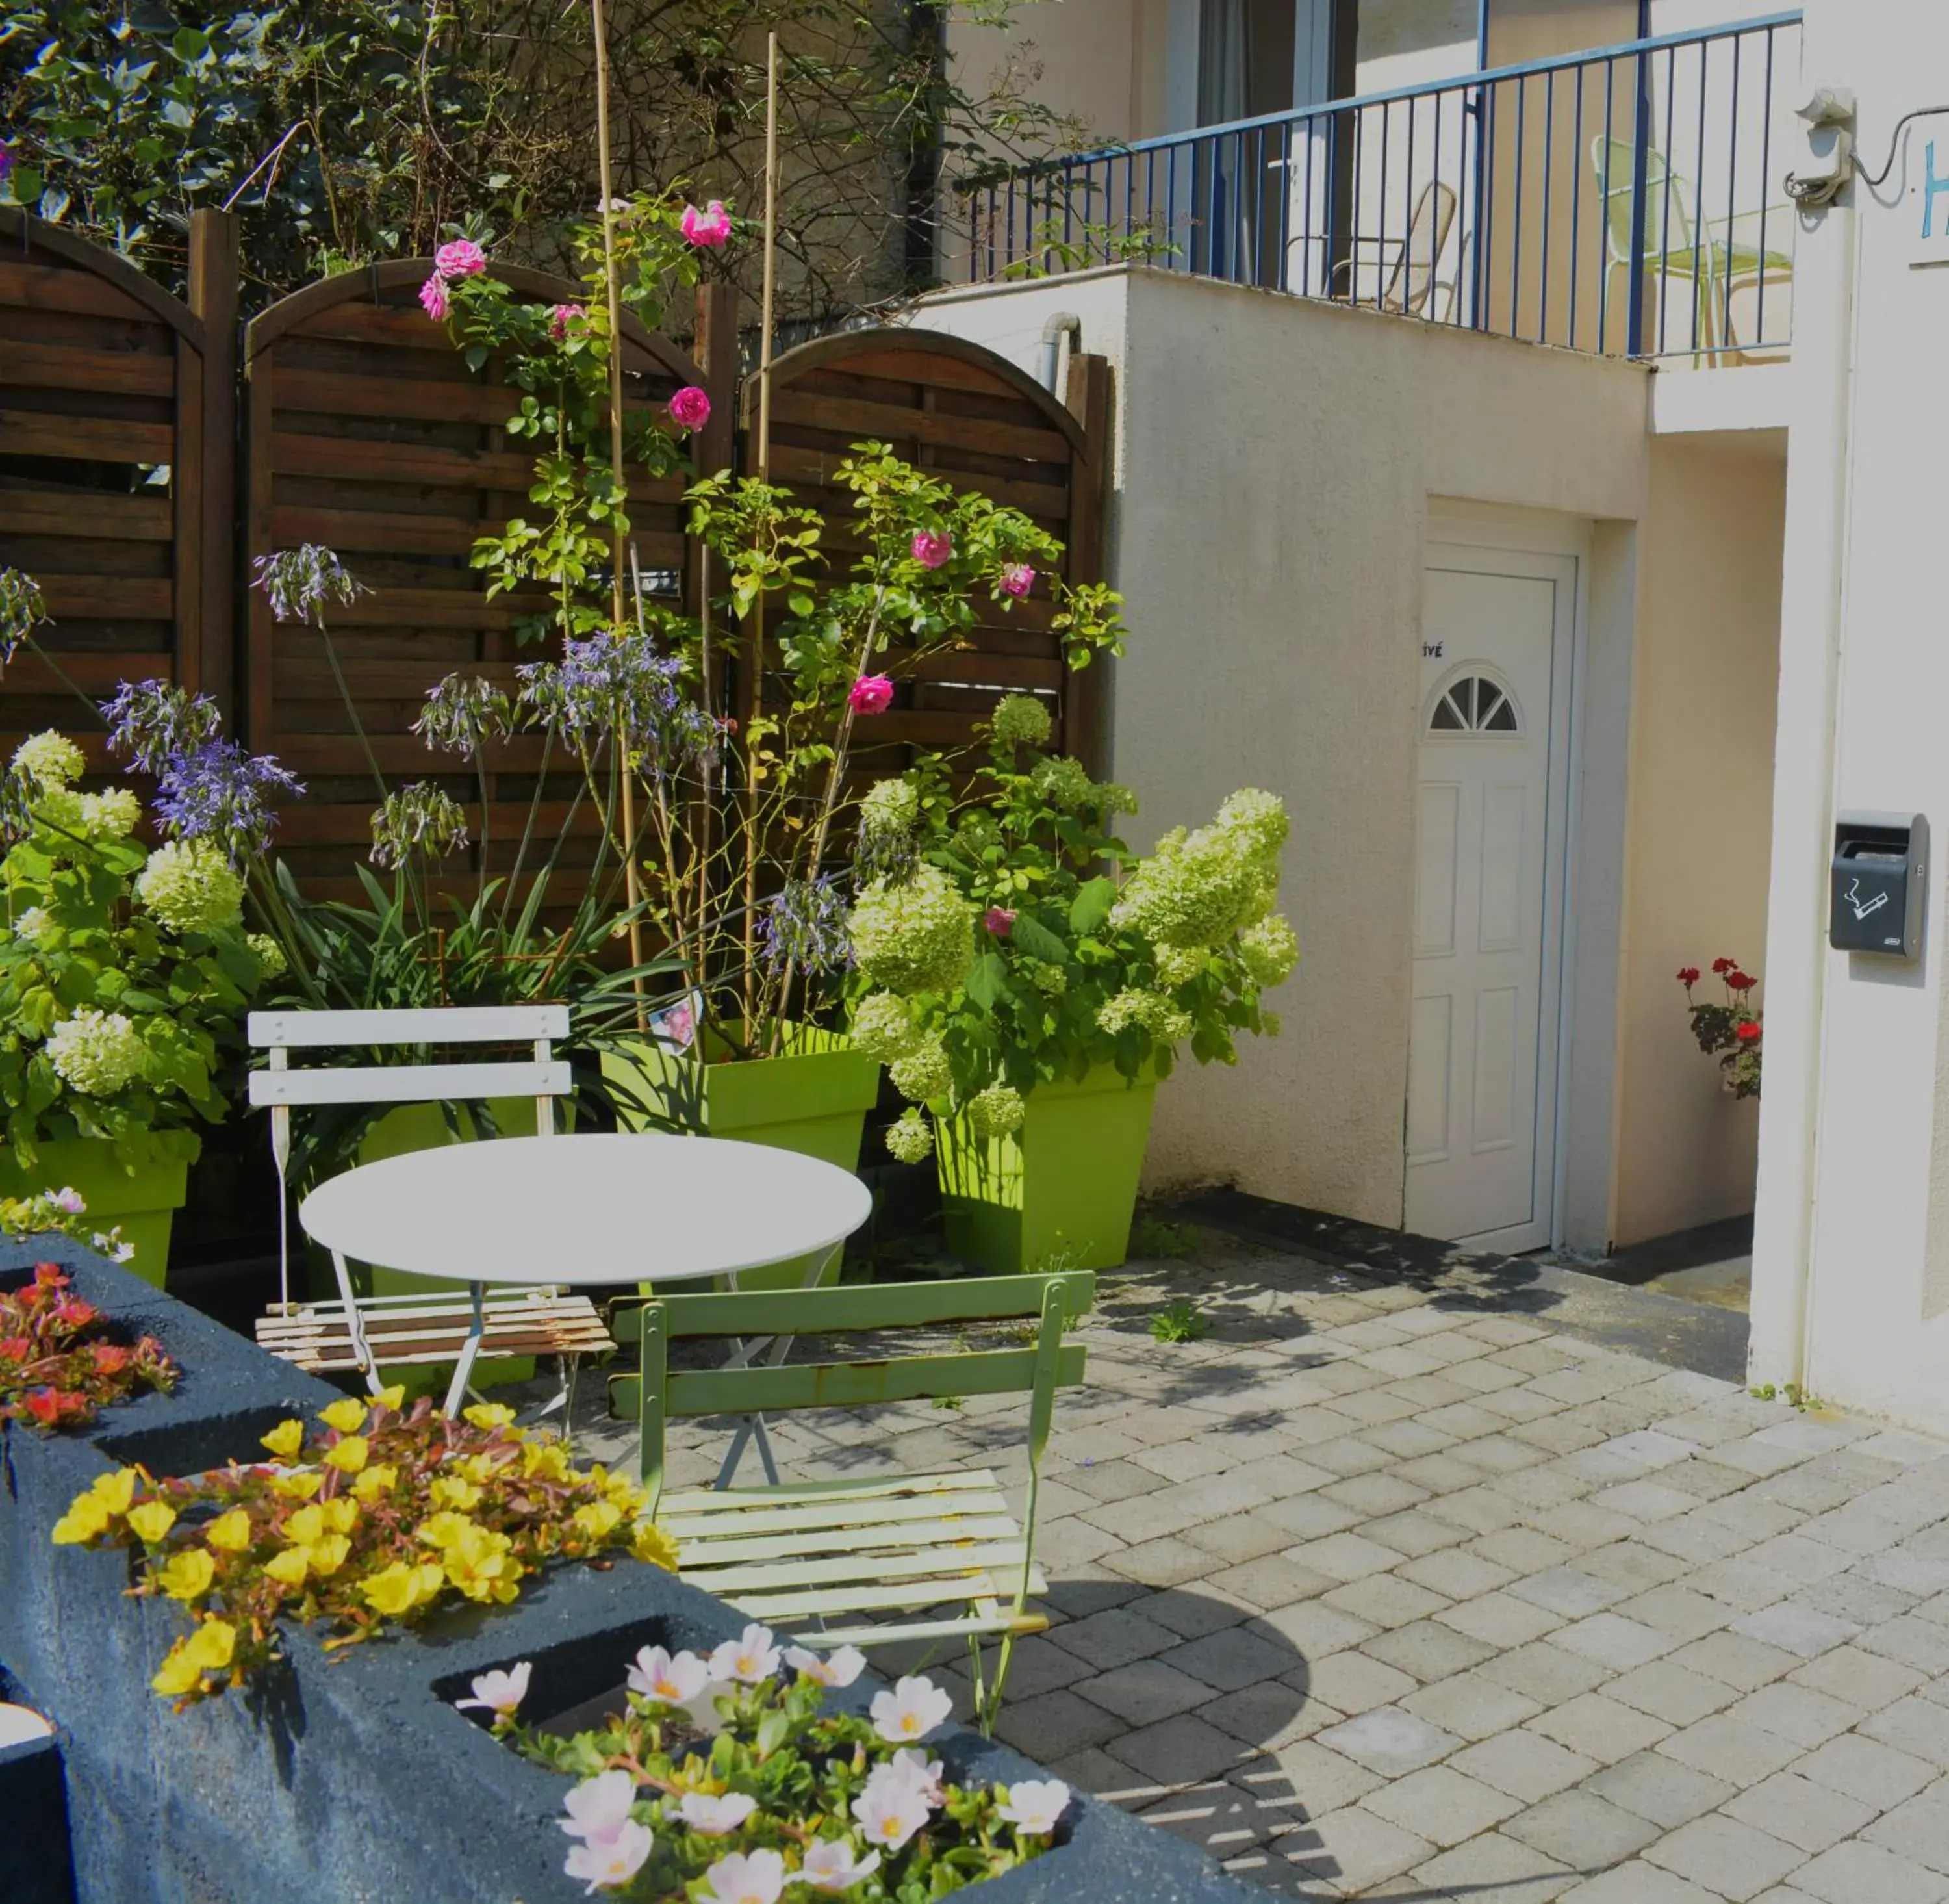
[354, 1779]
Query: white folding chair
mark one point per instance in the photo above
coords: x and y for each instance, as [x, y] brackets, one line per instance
[417, 1330]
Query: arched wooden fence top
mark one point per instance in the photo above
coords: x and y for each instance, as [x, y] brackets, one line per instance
[366, 431]
[106, 435]
[978, 421]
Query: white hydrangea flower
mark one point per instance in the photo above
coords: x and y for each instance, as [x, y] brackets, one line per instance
[1020, 721]
[97, 1053]
[189, 886]
[889, 809]
[33, 925]
[910, 1138]
[1050, 980]
[270, 954]
[997, 1112]
[50, 759]
[1269, 950]
[1198, 889]
[111, 815]
[915, 936]
[1178, 964]
[1063, 782]
[1166, 1022]
[923, 1072]
[883, 1028]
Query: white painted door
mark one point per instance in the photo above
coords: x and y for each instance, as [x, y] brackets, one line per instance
[1496, 644]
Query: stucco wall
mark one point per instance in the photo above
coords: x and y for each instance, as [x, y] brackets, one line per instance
[1276, 462]
[1707, 663]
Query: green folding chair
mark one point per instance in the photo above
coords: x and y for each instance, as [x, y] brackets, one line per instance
[883, 1558]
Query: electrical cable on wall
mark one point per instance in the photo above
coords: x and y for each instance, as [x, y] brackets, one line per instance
[1894, 142]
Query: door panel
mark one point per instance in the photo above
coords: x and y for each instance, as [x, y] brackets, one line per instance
[1495, 706]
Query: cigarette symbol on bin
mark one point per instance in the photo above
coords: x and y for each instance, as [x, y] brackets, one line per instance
[1864, 907]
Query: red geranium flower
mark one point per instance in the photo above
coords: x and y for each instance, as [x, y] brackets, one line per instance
[1688, 976]
[1722, 966]
[1739, 982]
[1749, 1032]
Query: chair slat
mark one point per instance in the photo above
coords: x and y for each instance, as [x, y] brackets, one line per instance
[720, 1548]
[835, 1521]
[433, 1025]
[788, 1605]
[932, 1563]
[707, 1501]
[848, 1307]
[412, 1083]
[893, 1634]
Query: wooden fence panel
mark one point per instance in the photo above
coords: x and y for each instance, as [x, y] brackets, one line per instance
[366, 432]
[109, 417]
[974, 418]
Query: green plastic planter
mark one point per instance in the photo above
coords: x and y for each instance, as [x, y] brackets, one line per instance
[142, 1203]
[1060, 1193]
[813, 1098]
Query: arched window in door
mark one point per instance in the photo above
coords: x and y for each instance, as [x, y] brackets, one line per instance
[1475, 703]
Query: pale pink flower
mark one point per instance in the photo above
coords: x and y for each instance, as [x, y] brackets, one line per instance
[461, 259]
[890, 1812]
[499, 1693]
[607, 1862]
[999, 921]
[675, 1679]
[829, 1866]
[706, 229]
[432, 297]
[560, 316]
[690, 408]
[922, 1776]
[1017, 578]
[930, 550]
[752, 1657]
[744, 1877]
[1034, 1807]
[872, 694]
[598, 1808]
[915, 1707]
[715, 1817]
[69, 1200]
[840, 1667]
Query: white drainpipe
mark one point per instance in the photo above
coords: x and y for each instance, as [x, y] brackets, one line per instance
[1813, 592]
[1063, 323]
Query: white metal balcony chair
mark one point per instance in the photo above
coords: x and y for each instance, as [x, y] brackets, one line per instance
[420, 1330]
[1413, 263]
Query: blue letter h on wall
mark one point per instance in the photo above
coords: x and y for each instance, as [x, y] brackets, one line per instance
[1932, 187]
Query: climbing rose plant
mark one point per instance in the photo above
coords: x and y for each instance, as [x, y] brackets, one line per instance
[1732, 1032]
[380, 1517]
[723, 1782]
[58, 1366]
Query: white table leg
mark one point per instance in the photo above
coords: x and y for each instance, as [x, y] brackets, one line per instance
[456, 1389]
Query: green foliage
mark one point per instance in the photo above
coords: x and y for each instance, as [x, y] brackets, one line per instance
[1153, 1239]
[1179, 1321]
[1734, 1032]
[83, 942]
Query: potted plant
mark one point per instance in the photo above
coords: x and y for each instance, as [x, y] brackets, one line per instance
[124, 975]
[1732, 1032]
[1028, 1001]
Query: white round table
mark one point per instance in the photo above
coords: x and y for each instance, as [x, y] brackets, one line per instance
[585, 1212]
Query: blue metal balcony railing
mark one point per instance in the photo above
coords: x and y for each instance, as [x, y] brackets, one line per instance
[1620, 201]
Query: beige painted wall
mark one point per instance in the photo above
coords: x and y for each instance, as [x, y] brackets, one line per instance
[1276, 461]
[1701, 816]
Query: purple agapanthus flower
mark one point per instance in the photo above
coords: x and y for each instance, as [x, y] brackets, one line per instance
[620, 681]
[149, 722]
[219, 792]
[805, 925]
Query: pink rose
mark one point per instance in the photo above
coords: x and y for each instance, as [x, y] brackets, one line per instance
[432, 297]
[931, 550]
[461, 259]
[690, 408]
[872, 694]
[1017, 578]
[706, 229]
[560, 316]
[999, 921]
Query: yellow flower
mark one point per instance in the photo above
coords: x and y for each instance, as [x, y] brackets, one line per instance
[297, 1486]
[290, 1568]
[598, 1518]
[479, 1563]
[626, 1494]
[188, 1574]
[341, 1516]
[652, 1545]
[373, 1482]
[344, 1416]
[152, 1519]
[480, 1469]
[488, 1414]
[443, 1529]
[213, 1645]
[179, 1675]
[284, 1440]
[87, 1519]
[396, 1590]
[548, 1459]
[452, 1491]
[304, 1527]
[394, 1398]
[349, 1455]
[230, 1533]
[328, 1555]
[115, 1491]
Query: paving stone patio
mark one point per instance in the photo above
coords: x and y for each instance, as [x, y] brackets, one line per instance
[1404, 1590]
